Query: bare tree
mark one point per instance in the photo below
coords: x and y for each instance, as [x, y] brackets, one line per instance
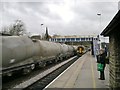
[18, 28]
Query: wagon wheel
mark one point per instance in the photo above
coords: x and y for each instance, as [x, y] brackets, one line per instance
[42, 64]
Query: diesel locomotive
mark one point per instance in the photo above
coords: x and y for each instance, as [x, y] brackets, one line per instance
[81, 50]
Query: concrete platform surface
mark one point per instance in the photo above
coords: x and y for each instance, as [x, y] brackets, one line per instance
[82, 74]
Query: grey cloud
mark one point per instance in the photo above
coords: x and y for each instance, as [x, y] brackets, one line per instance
[85, 19]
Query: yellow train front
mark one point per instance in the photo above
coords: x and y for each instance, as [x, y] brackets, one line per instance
[80, 50]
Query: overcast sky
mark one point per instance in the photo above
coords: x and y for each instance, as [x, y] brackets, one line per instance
[63, 17]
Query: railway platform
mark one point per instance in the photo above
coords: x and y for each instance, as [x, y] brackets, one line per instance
[81, 74]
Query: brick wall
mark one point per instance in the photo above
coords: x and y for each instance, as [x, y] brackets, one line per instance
[114, 80]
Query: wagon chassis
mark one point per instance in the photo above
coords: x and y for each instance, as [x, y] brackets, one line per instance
[44, 78]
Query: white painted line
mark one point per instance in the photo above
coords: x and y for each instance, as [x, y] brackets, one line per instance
[39, 76]
[60, 74]
[93, 75]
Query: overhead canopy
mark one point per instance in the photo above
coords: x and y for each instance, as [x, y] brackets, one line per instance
[112, 25]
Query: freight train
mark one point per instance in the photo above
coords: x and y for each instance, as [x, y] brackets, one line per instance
[20, 53]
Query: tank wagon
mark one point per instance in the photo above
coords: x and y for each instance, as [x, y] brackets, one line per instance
[75, 50]
[23, 53]
[81, 50]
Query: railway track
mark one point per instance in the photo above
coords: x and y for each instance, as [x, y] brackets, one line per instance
[42, 79]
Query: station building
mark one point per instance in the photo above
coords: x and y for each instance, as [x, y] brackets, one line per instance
[113, 31]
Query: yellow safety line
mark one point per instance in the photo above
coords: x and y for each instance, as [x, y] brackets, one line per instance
[93, 76]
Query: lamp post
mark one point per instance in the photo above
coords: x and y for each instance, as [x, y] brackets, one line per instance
[99, 44]
[45, 36]
[99, 14]
[41, 31]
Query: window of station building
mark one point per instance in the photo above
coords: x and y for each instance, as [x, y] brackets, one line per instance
[87, 39]
[77, 39]
[67, 39]
[72, 39]
[52, 39]
[58, 39]
[63, 39]
[82, 39]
